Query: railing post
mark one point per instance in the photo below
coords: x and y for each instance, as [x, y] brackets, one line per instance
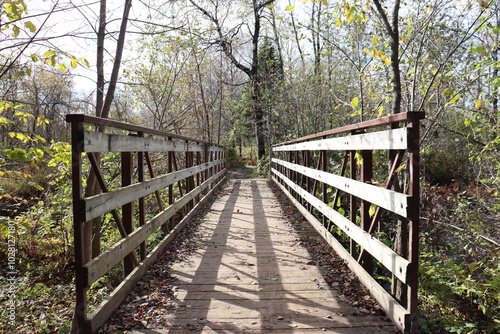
[205, 159]
[366, 177]
[414, 219]
[78, 227]
[127, 209]
[324, 168]
[170, 169]
[352, 198]
[142, 210]
[289, 172]
[306, 160]
[189, 179]
[199, 177]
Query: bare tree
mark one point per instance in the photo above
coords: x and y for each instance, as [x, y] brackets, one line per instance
[225, 39]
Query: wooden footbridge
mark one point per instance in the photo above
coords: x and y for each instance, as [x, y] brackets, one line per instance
[357, 186]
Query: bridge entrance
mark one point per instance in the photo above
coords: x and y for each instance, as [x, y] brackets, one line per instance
[166, 178]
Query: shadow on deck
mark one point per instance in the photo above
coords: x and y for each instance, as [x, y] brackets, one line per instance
[249, 276]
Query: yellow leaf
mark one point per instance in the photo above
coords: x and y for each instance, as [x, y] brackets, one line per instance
[381, 111]
[289, 8]
[479, 104]
[15, 31]
[49, 53]
[355, 102]
[350, 17]
[359, 158]
[400, 168]
[372, 210]
[387, 62]
[271, 6]
[74, 63]
[375, 40]
[30, 26]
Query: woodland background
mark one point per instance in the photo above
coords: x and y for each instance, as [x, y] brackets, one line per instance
[246, 74]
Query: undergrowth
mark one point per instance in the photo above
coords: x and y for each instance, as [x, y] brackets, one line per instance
[459, 288]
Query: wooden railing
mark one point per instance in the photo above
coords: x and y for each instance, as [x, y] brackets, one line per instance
[362, 210]
[141, 205]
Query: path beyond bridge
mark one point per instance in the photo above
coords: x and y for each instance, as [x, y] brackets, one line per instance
[249, 275]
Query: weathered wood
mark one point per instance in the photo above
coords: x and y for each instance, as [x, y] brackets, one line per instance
[398, 314]
[128, 208]
[113, 255]
[107, 307]
[385, 198]
[102, 203]
[106, 122]
[395, 139]
[249, 275]
[386, 256]
[383, 121]
[101, 142]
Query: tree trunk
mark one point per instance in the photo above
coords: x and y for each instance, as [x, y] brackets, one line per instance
[401, 238]
[92, 229]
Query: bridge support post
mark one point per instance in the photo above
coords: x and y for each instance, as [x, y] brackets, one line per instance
[80, 322]
[353, 206]
[324, 168]
[142, 210]
[414, 220]
[127, 209]
[366, 177]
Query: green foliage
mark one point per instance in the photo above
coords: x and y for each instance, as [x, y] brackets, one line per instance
[460, 263]
[263, 167]
[447, 163]
[233, 159]
[461, 296]
[41, 307]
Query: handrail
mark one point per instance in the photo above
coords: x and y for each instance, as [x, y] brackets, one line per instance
[82, 118]
[187, 188]
[391, 119]
[348, 210]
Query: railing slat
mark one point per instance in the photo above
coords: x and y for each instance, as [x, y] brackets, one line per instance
[388, 199]
[386, 256]
[397, 313]
[111, 257]
[138, 142]
[103, 203]
[102, 142]
[395, 139]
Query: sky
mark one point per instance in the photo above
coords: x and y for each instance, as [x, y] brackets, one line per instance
[71, 29]
[74, 24]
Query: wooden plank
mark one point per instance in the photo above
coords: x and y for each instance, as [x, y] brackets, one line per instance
[108, 306]
[101, 142]
[81, 118]
[386, 256]
[395, 139]
[102, 203]
[397, 313]
[388, 199]
[113, 255]
[401, 117]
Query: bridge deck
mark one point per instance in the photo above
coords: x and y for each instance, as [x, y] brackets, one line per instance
[248, 276]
